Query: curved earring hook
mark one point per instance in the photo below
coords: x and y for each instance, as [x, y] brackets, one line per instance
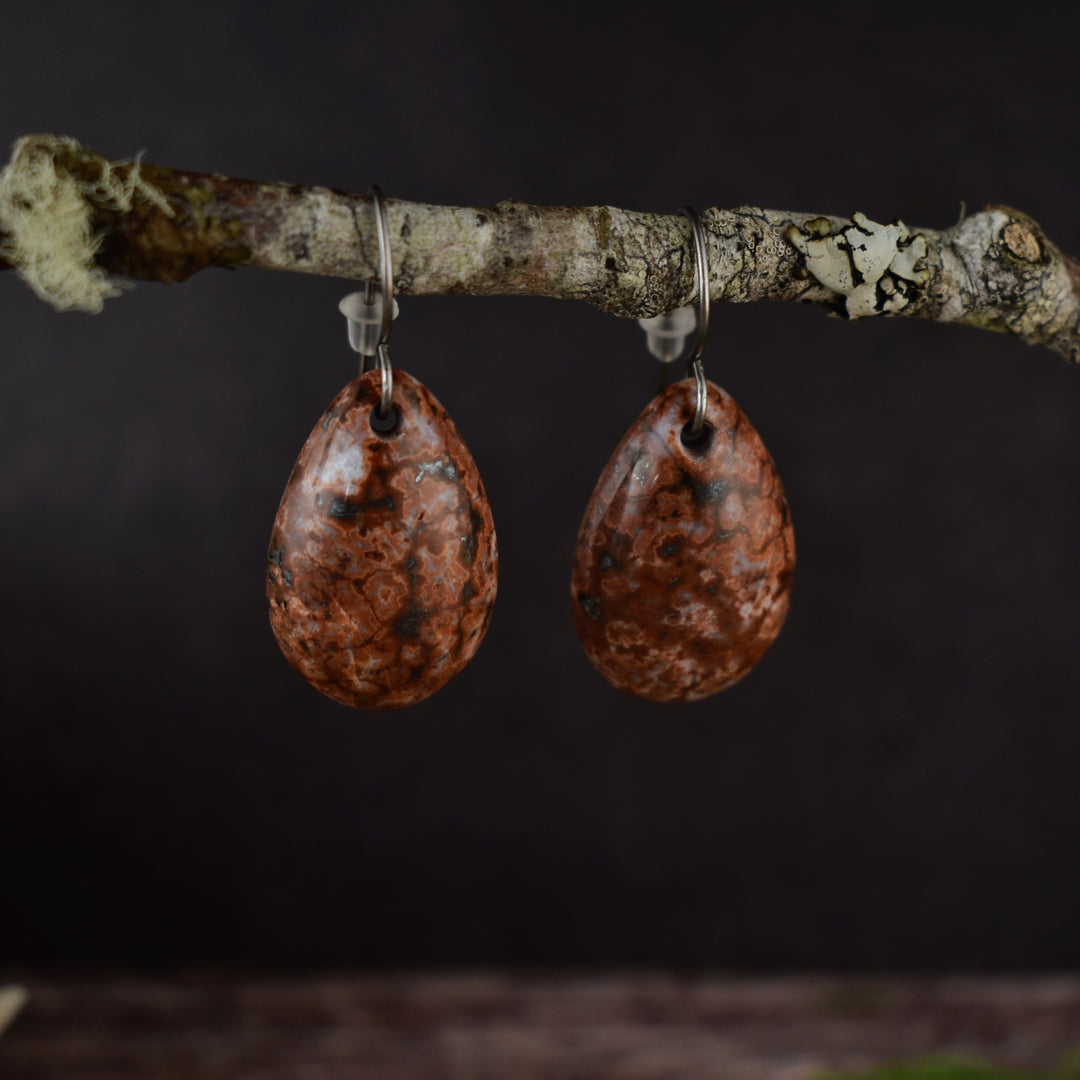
[694, 364]
[386, 274]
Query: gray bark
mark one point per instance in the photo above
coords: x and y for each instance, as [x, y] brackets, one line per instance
[994, 269]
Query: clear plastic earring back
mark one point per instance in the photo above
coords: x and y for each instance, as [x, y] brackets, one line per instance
[364, 313]
[665, 335]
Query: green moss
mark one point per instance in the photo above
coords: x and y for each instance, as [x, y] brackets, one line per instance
[603, 227]
[193, 192]
[955, 1069]
[1068, 1066]
[857, 1000]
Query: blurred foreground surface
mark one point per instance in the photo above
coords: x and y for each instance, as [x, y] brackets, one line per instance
[530, 1027]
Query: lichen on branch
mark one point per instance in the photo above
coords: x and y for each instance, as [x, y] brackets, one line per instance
[72, 222]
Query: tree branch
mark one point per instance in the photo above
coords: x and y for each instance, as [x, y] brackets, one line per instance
[70, 217]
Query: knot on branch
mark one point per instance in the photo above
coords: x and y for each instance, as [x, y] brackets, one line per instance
[1024, 239]
[1007, 275]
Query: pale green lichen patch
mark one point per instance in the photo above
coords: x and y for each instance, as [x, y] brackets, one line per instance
[47, 215]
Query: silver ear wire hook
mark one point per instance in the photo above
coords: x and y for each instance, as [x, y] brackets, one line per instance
[386, 273]
[694, 365]
[370, 313]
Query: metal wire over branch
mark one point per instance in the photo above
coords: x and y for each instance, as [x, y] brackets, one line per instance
[71, 221]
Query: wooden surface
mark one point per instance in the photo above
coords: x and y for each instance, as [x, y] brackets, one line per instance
[526, 1027]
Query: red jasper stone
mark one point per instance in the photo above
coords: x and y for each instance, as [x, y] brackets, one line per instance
[382, 562]
[682, 575]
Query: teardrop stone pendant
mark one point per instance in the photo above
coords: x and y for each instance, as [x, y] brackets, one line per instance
[382, 563]
[682, 575]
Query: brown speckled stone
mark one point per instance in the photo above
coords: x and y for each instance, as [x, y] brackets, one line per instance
[383, 564]
[682, 575]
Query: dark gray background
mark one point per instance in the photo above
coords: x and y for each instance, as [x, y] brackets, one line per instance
[894, 786]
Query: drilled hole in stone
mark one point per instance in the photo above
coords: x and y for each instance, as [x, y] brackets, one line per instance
[699, 443]
[385, 424]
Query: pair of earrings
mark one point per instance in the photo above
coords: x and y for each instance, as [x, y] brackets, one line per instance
[383, 563]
